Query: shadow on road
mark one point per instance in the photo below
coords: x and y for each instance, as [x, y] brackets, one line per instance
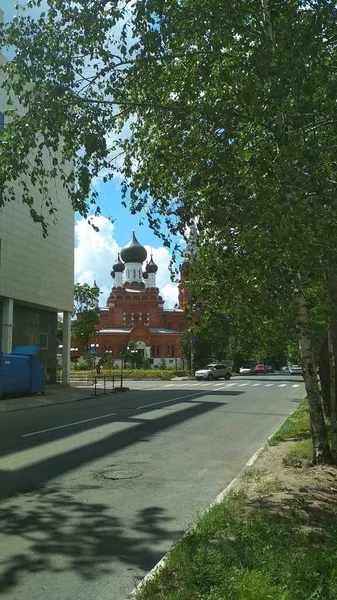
[58, 534]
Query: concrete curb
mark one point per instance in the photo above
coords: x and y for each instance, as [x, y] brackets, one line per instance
[220, 497]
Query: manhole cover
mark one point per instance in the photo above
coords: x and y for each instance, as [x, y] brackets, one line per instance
[122, 474]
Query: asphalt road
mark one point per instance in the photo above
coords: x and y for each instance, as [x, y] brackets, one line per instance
[93, 493]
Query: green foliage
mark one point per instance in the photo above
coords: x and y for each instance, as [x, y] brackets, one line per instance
[162, 364]
[85, 363]
[132, 373]
[86, 316]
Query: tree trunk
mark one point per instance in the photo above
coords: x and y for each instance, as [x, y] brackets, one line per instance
[332, 387]
[324, 375]
[321, 449]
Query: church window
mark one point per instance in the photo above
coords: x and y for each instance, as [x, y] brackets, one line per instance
[139, 274]
[128, 319]
[144, 318]
[135, 318]
[168, 351]
[134, 273]
[169, 326]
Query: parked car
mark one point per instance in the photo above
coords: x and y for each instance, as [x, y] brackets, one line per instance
[259, 369]
[295, 370]
[213, 371]
[268, 369]
[246, 370]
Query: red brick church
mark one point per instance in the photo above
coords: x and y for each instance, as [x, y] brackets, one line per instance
[135, 312]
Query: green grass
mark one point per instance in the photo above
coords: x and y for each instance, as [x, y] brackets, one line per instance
[296, 426]
[241, 553]
[300, 454]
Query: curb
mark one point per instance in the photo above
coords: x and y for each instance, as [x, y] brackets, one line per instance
[220, 497]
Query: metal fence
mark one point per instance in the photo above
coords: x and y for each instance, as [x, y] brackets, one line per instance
[104, 384]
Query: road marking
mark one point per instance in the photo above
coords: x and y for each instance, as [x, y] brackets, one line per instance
[242, 384]
[282, 384]
[169, 385]
[296, 385]
[230, 384]
[165, 401]
[68, 425]
[256, 384]
[268, 384]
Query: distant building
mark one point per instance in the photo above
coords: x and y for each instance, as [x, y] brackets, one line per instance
[135, 312]
[36, 273]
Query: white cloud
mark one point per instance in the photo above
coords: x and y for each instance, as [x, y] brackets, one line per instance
[95, 252]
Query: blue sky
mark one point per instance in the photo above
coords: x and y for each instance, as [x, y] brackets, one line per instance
[95, 252]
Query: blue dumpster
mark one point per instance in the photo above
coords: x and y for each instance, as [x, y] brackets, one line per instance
[20, 372]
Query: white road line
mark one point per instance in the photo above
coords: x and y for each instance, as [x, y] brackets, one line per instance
[296, 385]
[68, 425]
[268, 384]
[282, 384]
[166, 401]
[169, 385]
[256, 384]
[242, 384]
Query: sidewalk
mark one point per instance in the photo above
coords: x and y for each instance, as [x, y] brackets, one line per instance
[56, 394]
[53, 395]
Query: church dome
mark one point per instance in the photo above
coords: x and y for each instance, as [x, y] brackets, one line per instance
[118, 266]
[151, 267]
[133, 252]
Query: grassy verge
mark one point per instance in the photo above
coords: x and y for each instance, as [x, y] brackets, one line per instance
[295, 427]
[257, 545]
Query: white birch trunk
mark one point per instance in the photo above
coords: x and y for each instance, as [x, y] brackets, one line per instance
[321, 450]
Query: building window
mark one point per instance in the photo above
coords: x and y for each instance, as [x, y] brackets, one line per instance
[135, 318]
[144, 318]
[128, 318]
[134, 273]
[169, 326]
[2, 120]
[139, 274]
[43, 340]
[172, 350]
[181, 326]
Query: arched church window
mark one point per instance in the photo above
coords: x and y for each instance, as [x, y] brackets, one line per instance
[134, 273]
[144, 318]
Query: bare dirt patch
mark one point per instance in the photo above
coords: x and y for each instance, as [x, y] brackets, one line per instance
[310, 492]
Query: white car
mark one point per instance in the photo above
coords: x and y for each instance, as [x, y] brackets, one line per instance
[213, 371]
[246, 370]
[295, 370]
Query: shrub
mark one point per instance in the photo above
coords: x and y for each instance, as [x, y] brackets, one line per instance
[85, 363]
